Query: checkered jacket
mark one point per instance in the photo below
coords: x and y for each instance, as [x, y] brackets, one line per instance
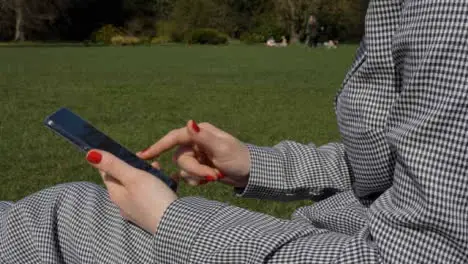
[394, 191]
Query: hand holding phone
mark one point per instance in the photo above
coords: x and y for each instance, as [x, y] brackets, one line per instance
[86, 137]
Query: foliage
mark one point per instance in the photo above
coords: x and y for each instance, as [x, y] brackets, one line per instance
[252, 38]
[106, 33]
[161, 40]
[341, 19]
[268, 26]
[192, 14]
[168, 30]
[208, 36]
[125, 40]
[30, 17]
[140, 27]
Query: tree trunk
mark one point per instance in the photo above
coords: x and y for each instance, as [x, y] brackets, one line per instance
[294, 36]
[19, 30]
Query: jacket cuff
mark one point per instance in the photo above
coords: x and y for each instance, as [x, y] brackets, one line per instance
[179, 227]
[266, 179]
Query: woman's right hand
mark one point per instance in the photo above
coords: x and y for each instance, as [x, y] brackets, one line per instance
[204, 153]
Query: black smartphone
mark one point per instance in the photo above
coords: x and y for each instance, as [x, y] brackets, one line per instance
[86, 137]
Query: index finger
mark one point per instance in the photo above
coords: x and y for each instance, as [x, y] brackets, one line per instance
[170, 140]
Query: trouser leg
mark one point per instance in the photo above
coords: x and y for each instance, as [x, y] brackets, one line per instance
[70, 223]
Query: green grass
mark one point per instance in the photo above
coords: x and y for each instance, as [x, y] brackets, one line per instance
[137, 94]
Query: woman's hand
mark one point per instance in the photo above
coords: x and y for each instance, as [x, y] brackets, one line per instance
[141, 197]
[205, 153]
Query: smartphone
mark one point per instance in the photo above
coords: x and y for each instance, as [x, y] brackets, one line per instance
[86, 137]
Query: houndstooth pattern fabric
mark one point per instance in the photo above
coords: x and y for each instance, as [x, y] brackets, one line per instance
[394, 191]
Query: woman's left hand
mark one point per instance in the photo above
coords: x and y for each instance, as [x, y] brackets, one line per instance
[141, 197]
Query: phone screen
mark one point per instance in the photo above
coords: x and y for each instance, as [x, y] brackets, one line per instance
[86, 137]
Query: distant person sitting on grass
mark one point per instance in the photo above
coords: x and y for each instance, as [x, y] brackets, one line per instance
[271, 42]
[394, 190]
[331, 44]
[284, 42]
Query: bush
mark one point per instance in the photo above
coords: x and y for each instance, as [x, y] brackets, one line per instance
[207, 36]
[161, 40]
[141, 26]
[106, 33]
[165, 28]
[125, 40]
[252, 38]
[267, 26]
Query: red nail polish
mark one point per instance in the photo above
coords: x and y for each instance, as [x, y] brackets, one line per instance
[220, 176]
[210, 178]
[202, 182]
[195, 126]
[94, 157]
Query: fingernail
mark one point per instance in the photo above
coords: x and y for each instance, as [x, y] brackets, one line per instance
[94, 157]
[195, 127]
[220, 176]
[202, 182]
[210, 178]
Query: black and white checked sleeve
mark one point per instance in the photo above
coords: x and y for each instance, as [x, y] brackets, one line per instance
[195, 230]
[423, 217]
[293, 171]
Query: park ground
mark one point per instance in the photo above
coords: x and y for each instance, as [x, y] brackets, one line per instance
[137, 94]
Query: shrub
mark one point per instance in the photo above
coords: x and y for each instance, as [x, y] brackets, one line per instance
[106, 33]
[165, 28]
[208, 36]
[252, 38]
[161, 40]
[125, 40]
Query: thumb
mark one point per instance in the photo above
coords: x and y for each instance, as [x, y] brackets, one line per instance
[201, 136]
[111, 165]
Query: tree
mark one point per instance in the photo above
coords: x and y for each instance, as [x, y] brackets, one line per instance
[293, 13]
[30, 15]
[343, 18]
[191, 14]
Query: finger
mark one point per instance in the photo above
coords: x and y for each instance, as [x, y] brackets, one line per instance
[111, 165]
[156, 165]
[191, 180]
[169, 141]
[191, 165]
[115, 189]
[183, 150]
[203, 136]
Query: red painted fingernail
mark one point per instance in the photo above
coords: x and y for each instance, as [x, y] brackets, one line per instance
[195, 126]
[220, 176]
[94, 157]
[210, 178]
[202, 182]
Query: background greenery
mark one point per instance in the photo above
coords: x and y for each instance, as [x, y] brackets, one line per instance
[76, 20]
[137, 94]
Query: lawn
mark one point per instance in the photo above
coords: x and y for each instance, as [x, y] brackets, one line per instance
[137, 94]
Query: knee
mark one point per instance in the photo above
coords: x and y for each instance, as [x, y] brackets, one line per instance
[80, 189]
